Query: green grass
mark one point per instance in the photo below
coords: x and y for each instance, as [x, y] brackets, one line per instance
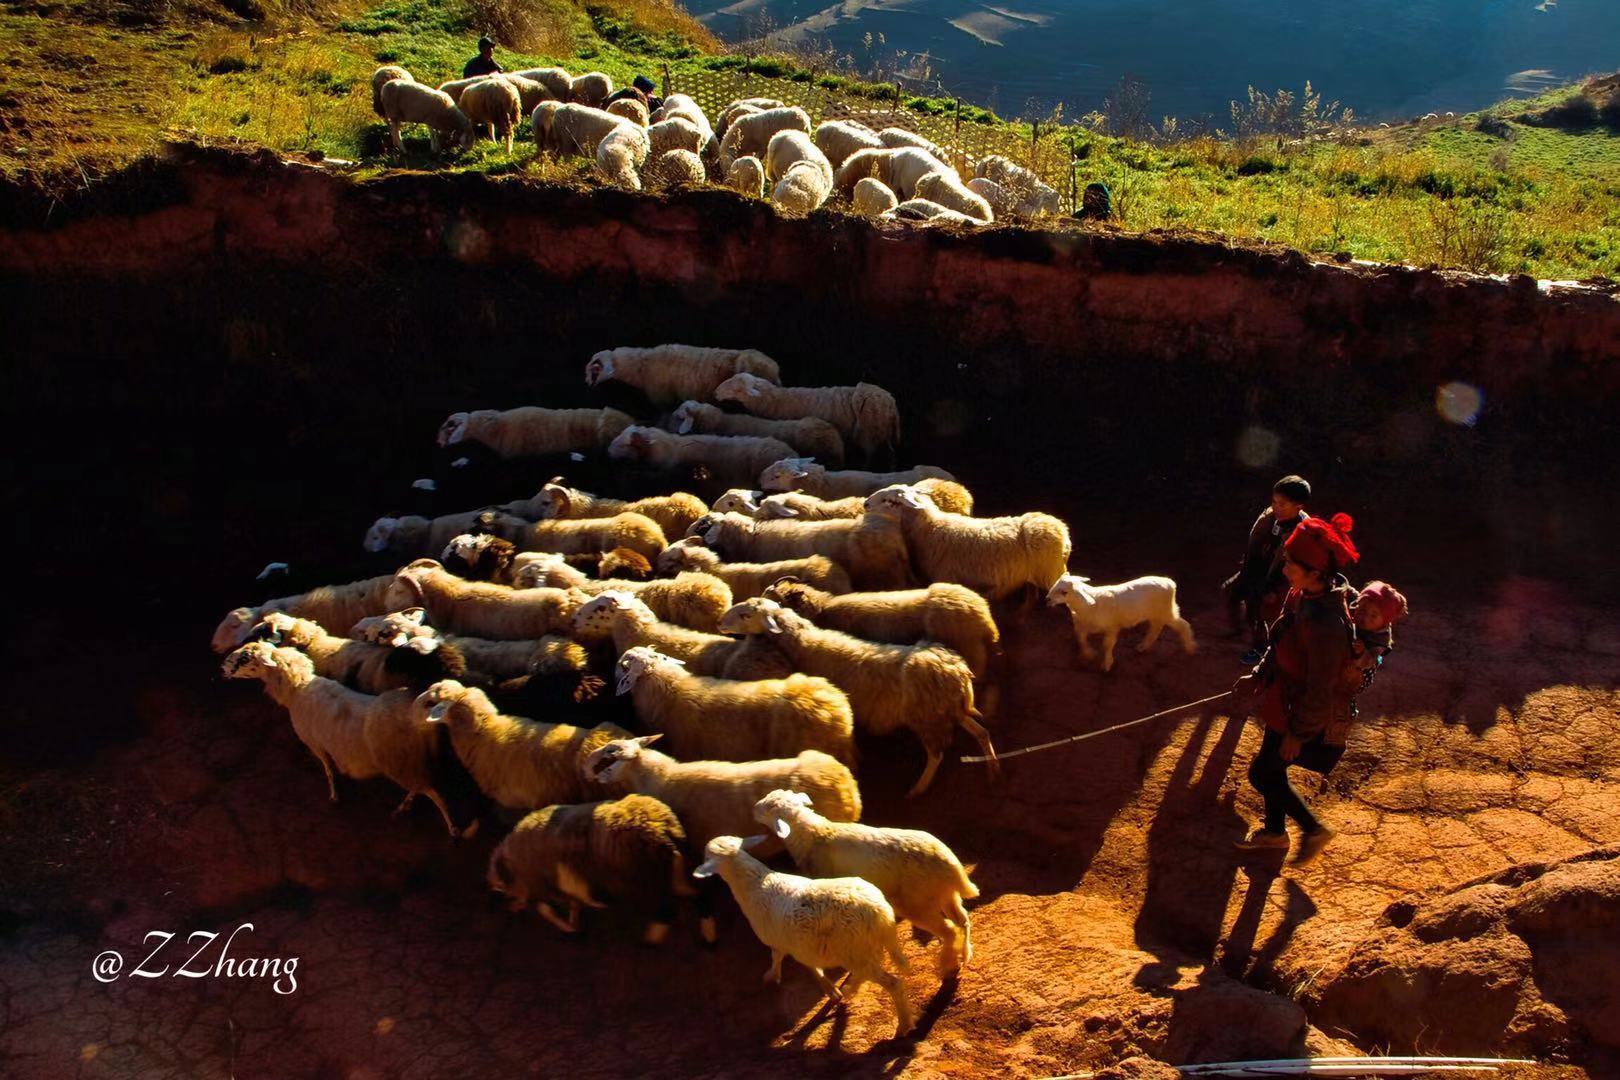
[1528, 185]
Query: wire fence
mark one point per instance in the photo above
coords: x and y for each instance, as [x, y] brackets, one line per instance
[966, 142]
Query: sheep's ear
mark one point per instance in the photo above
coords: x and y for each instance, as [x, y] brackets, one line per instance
[684, 427]
[1083, 580]
[801, 798]
[782, 828]
[638, 438]
[416, 615]
[751, 842]
[705, 869]
[772, 626]
[646, 740]
[269, 659]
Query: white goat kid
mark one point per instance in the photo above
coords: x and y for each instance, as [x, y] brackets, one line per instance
[1108, 609]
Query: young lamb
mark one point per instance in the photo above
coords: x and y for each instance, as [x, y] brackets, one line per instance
[926, 689]
[412, 103]
[629, 622]
[821, 923]
[673, 513]
[953, 615]
[748, 580]
[865, 414]
[737, 501]
[800, 171]
[591, 88]
[335, 607]
[749, 135]
[729, 459]
[947, 495]
[804, 474]
[872, 549]
[837, 139]
[532, 431]
[670, 374]
[808, 436]
[872, 198]
[916, 872]
[495, 102]
[625, 851]
[381, 77]
[555, 79]
[355, 734]
[520, 764]
[1108, 609]
[746, 176]
[705, 718]
[947, 189]
[992, 556]
[714, 798]
[361, 665]
[479, 608]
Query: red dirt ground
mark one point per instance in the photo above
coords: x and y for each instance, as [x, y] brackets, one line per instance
[1115, 921]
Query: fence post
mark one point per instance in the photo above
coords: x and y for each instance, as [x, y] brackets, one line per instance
[956, 138]
[1034, 138]
[1074, 195]
[666, 78]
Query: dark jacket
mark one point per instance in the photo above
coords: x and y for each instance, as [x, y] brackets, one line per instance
[479, 66]
[1261, 569]
[1304, 671]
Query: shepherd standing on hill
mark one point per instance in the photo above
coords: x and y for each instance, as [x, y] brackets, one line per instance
[484, 63]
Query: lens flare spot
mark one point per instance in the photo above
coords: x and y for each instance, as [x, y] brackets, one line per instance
[1257, 447]
[1459, 403]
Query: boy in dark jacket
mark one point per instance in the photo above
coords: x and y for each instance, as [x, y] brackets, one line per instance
[1257, 588]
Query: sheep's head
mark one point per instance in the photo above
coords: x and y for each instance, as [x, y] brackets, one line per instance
[251, 661]
[778, 507]
[789, 474]
[722, 849]
[551, 502]
[741, 387]
[406, 590]
[395, 628]
[792, 594]
[593, 620]
[478, 555]
[780, 810]
[738, 501]
[686, 415]
[607, 762]
[641, 659]
[633, 442]
[544, 569]
[279, 628]
[454, 428]
[234, 628]
[893, 501]
[685, 554]
[435, 702]
[380, 537]
[624, 563]
[1071, 591]
[756, 616]
[600, 369]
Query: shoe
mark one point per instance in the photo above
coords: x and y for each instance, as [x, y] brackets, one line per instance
[1311, 845]
[1261, 840]
[1251, 657]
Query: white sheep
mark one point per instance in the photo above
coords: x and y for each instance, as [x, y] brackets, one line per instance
[674, 513]
[361, 665]
[1108, 609]
[809, 436]
[953, 615]
[577, 536]
[670, 374]
[531, 431]
[1002, 202]
[496, 102]
[555, 79]
[481, 608]
[355, 734]
[1034, 197]
[927, 211]
[947, 189]
[800, 171]
[872, 197]
[898, 169]
[379, 78]
[629, 622]
[993, 556]
[485, 658]
[616, 852]
[704, 718]
[899, 139]
[621, 154]
[680, 106]
[520, 764]
[675, 133]
[335, 607]
[749, 135]
[411, 535]
[926, 689]
[740, 108]
[871, 548]
[676, 167]
[729, 459]
[629, 109]
[918, 875]
[812, 478]
[748, 580]
[747, 176]
[837, 139]
[947, 495]
[830, 922]
[574, 129]
[412, 103]
[738, 501]
[591, 88]
[864, 414]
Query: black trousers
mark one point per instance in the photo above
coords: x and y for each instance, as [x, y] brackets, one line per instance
[1268, 773]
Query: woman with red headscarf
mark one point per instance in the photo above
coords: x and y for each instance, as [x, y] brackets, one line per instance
[1304, 701]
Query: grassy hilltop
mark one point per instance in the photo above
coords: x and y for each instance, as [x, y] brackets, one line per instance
[1529, 185]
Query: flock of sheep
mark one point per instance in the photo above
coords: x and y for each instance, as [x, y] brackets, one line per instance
[755, 145]
[751, 637]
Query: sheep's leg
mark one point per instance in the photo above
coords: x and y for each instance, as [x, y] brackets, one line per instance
[927, 777]
[1110, 636]
[773, 974]
[970, 724]
[331, 780]
[549, 913]
[904, 1021]
[444, 812]
[433, 139]
[405, 804]
[1155, 628]
[1087, 653]
[949, 958]
[573, 916]
[656, 933]
[829, 987]
[958, 914]
[393, 136]
[1181, 626]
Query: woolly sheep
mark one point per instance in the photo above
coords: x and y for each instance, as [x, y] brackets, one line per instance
[953, 615]
[591, 89]
[800, 171]
[864, 414]
[629, 622]
[747, 176]
[543, 128]
[355, 734]
[455, 87]
[675, 133]
[574, 129]
[810, 436]
[748, 580]
[714, 798]
[926, 689]
[683, 107]
[363, 666]
[621, 153]
[412, 103]
[805, 474]
[636, 532]
[947, 189]
[871, 549]
[926, 210]
[674, 513]
[383, 75]
[740, 108]
[621, 851]
[670, 374]
[872, 197]
[918, 875]
[1034, 197]
[335, 607]
[993, 556]
[479, 608]
[412, 536]
[394, 629]
[730, 459]
[630, 109]
[837, 139]
[554, 79]
[1108, 609]
[705, 718]
[749, 135]
[789, 147]
[496, 102]
[531, 431]
[821, 923]
[530, 92]
[738, 501]
[676, 167]
[898, 169]
[899, 139]
[485, 659]
[1002, 202]
[520, 764]
[947, 495]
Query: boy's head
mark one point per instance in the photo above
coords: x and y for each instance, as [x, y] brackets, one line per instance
[1378, 606]
[486, 46]
[1289, 496]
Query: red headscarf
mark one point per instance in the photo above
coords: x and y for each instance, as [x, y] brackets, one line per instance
[1323, 544]
[1387, 599]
